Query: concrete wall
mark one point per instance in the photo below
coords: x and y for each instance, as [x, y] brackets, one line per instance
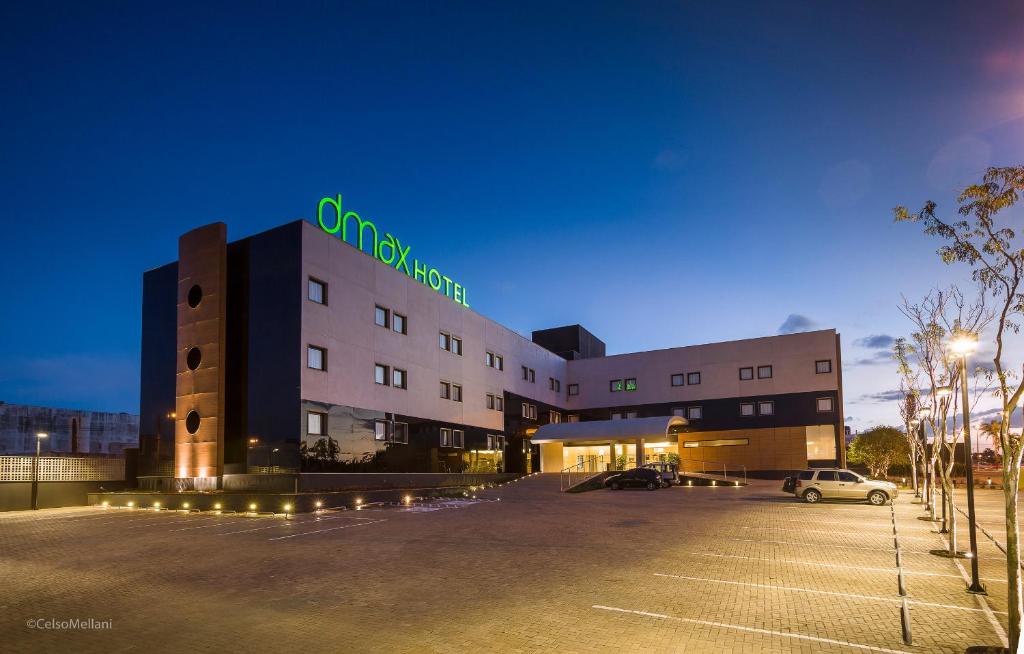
[17, 495]
[98, 432]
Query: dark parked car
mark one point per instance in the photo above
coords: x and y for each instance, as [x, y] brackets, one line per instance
[635, 478]
[669, 472]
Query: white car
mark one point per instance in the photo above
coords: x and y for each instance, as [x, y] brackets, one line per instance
[835, 483]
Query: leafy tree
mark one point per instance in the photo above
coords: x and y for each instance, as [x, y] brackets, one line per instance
[879, 449]
[991, 429]
[982, 239]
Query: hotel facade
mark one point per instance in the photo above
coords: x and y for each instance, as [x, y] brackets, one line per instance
[305, 349]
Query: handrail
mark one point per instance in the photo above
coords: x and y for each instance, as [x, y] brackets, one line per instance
[581, 471]
[722, 471]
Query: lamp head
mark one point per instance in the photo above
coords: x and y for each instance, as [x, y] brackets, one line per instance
[41, 434]
[964, 343]
[943, 391]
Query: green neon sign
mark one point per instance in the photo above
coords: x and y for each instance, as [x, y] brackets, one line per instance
[387, 250]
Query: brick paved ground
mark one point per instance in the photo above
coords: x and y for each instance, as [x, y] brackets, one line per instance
[685, 569]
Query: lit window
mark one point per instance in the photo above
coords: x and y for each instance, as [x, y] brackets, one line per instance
[574, 389]
[401, 433]
[631, 414]
[380, 374]
[719, 442]
[317, 291]
[456, 345]
[631, 384]
[380, 430]
[380, 316]
[445, 341]
[572, 417]
[456, 393]
[315, 423]
[822, 367]
[694, 413]
[615, 385]
[458, 438]
[398, 378]
[766, 408]
[316, 358]
[446, 437]
[556, 417]
[446, 390]
[693, 378]
[824, 404]
[677, 380]
[399, 323]
[746, 408]
[764, 372]
[746, 373]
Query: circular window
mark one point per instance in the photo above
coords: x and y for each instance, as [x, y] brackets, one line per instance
[194, 358]
[195, 296]
[192, 422]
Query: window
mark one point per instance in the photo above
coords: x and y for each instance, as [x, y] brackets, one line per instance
[499, 362]
[556, 417]
[456, 345]
[746, 408]
[456, 393]
[399, 323]
[380, 430]
[746, 373]
[317, 291]
[805, 475]
[533, 376]
[446, 437]
[380, 374]
[446, 390]
[499, 403]
[381, 317]
[526, 374]
[822, 367]
[529, 411]
[316, 357]
[718, 442]
[489, 359]
[679, 412]
[444, 340]
[824, 404]
[766, 408]
[677, 379]
[490, 441]
[631, 384]
[693, 378]
[631, 414]
[827, 475]
[558, 386]
[551, 383]
[694, 413]
[458, 438]
[316, 423]
[572, 417]
[490, 401]
[764, 372]
[845, 475]
[399, 378]
[616, 416]
[400, 433]
[574, 389]
[615, 385]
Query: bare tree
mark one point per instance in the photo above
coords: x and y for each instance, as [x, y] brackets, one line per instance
[982, 240]
[908, 404]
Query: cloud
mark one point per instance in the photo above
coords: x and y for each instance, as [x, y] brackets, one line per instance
[876, 342]
[878, 358]
[882, 396]
[796, 323]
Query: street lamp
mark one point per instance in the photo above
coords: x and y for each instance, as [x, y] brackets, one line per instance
[924, 413]
[272, 453]
[252, 443]
[966, 344]
[35, 470]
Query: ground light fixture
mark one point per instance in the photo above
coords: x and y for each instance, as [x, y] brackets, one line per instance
[217, 506]
[318, 504]
[287, 509]
[252, 507]
[156, 506]
[131, 504]
[184, 505]
[106, 504]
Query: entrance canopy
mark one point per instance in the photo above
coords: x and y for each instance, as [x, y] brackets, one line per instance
[596, 432]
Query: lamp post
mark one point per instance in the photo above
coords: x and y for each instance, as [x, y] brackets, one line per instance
[965, 344]
[914, 424]
[35, 470]
[943, 392]
[248, 455]
[924, 413]
[272, 453]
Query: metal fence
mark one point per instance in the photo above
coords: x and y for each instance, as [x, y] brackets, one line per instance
[62, 468]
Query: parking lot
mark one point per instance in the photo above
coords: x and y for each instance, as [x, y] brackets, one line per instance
[521, 568]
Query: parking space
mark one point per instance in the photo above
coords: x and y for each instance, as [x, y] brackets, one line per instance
[521, 567]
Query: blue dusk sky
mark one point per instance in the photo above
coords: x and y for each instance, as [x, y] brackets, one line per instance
[663, 173]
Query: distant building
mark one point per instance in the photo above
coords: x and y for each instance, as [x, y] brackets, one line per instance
[68, 430]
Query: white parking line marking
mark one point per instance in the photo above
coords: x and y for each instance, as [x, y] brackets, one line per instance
[288, 523]
[887, 535]
[833, 593]
[839, 565]
[216, 524]
[753, 630]
[319, 531]
[998, 628]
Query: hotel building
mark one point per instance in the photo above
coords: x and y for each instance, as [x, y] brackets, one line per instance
[297, 351]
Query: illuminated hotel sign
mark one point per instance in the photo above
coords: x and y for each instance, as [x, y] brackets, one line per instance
[388, 250]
